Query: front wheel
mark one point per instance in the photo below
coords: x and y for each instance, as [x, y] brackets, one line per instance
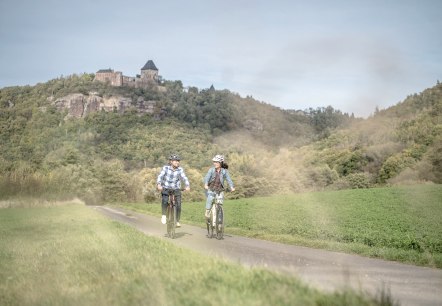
[171, 221]
[211, 223]
[219, 224]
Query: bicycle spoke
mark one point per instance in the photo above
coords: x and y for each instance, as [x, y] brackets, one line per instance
[171, 215]
[219, 223]
[173, 222]
[211, 224]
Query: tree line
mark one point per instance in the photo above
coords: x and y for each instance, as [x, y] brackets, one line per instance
[115, 157]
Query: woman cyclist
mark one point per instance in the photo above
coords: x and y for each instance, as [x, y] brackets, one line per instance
[214, 182]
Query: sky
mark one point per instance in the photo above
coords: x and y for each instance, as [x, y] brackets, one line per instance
[353, 55]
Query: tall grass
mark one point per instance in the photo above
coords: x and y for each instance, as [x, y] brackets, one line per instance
[400, 223]
[71, 255]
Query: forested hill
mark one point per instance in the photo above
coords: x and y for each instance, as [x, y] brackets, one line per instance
[74, 137]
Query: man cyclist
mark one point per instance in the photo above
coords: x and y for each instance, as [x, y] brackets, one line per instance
[170, 178]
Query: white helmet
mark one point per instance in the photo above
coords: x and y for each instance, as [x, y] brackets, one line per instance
[218, 158]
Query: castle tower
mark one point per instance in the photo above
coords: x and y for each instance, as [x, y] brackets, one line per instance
[149, 72]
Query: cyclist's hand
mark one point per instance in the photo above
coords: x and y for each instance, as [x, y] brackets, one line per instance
[159, 187]
[187, 189]
[232, 190]
[206, 187]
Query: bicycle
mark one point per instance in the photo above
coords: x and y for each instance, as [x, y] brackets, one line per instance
[216, 220]
[171, 214]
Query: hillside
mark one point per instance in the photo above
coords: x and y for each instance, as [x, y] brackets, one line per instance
[75, 137]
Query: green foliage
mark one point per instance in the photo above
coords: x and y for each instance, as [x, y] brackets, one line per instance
[37, 140]
[326, 119]
[322, 176]
[252, 186]
[421, 130]
[429, 101]
[211, 109]
[434, 159]
[114, 180]
[355, 181]
[344, 161]
[394, 165]
[272, 126]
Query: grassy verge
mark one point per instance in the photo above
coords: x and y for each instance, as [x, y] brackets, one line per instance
[71, 255]
[401, 223]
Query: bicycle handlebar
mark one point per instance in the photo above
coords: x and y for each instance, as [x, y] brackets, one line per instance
[172, 190]
[227, 190]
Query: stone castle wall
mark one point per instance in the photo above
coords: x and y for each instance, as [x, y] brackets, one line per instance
[109, 76]
[116, 78]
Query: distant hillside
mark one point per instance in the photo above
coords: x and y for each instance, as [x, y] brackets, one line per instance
[75, 137]
[400, 144]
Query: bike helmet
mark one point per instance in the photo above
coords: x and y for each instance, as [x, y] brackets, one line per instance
[218, 158]
[174, 157]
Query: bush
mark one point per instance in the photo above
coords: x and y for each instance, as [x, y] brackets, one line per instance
[322, 176]
[360, 180]
[394, 165]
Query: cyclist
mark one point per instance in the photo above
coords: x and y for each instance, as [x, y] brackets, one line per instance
[214, 182]
[170, 178]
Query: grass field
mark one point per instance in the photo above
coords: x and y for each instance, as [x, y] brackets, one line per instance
[400, 223]
[71, 255]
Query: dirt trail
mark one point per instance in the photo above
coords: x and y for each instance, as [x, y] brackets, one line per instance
[410, 285]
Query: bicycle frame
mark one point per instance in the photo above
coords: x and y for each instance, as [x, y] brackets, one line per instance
[216, 219]
[171, 214]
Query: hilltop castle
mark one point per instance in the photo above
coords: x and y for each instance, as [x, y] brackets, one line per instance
[148, 77]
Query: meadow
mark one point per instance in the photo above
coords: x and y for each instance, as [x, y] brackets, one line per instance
[397, 223]
[72, 255]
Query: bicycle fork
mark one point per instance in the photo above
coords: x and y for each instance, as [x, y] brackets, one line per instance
[213, 212]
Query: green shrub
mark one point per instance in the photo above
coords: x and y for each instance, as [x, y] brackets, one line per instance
[360, 180]
[354, 181]
[322, 176]
[394, 165]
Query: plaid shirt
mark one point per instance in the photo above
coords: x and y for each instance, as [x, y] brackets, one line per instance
[171, 178]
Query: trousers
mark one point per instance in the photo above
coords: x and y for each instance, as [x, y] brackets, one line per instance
[165, 199]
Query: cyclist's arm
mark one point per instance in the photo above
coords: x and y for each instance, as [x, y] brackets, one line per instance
[160, 179]
[185, 179]
[207, 179]
[229, 181]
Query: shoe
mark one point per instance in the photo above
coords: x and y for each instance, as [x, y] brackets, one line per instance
[178, 224]
[163, 219]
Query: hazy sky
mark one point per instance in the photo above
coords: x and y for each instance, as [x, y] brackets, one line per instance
[352, 55]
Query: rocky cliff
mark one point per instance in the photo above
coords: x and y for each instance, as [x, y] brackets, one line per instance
[79, 105]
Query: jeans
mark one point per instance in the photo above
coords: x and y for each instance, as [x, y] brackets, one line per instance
[211, 195]
[165, 199]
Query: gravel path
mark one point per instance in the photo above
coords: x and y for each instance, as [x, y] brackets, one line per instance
[410, 285]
